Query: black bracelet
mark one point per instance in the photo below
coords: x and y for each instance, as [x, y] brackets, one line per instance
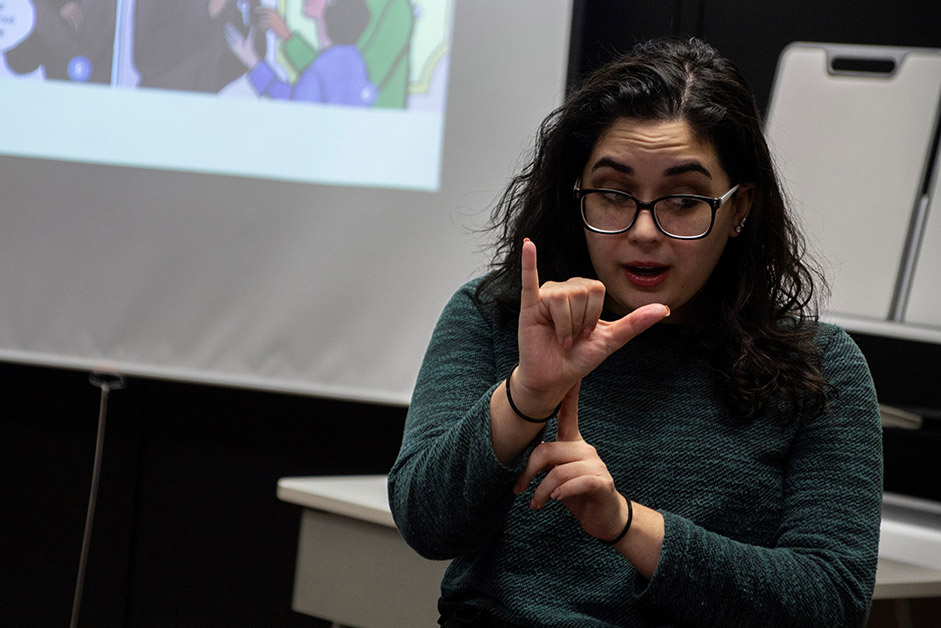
[509, 398]
[627, 526]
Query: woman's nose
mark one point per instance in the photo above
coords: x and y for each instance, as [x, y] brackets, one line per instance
[644, 228]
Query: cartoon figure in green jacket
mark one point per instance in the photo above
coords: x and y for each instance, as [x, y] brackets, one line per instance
[384, 45]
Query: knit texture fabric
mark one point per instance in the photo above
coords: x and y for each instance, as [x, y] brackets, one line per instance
[767, 523]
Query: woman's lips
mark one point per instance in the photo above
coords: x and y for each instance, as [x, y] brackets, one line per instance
[646, 274]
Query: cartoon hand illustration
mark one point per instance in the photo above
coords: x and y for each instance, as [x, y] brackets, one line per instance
[269, 19]
[242, 47]
[72, 14]
[216, 6]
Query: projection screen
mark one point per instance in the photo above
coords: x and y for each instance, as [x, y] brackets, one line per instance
[269, 194]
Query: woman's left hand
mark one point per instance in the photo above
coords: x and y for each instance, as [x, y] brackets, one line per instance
[576, 476]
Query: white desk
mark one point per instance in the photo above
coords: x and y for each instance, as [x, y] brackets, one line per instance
[353, 567]
[909, 549]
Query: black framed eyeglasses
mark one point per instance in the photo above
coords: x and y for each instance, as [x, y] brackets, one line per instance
[680, 216]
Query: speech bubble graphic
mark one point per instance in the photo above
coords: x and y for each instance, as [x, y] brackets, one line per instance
[17, 18]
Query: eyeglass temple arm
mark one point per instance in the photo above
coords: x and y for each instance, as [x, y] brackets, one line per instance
[725, 197]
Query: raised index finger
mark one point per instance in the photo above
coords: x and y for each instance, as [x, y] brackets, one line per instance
[529, 296]
[568, 415]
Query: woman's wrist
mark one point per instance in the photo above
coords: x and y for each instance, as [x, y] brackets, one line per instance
[540, 418]
[644, 540]
[509, 434]
[529, 404]
[628, 519]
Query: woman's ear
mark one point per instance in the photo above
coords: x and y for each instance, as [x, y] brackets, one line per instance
[742, 204]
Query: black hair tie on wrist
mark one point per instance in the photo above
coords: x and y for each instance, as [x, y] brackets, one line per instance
[509, 397]
[627, 526]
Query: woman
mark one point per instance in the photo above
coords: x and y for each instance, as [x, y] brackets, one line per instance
[721, 468]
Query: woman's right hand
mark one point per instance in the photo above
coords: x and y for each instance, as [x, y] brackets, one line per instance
[562, 337]
[561, 340]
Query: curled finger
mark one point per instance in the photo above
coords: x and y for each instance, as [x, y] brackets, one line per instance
[562, 475]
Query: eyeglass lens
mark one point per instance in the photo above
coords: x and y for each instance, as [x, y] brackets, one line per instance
[683, 217]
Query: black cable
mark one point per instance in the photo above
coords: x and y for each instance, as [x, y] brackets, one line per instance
[106, 383]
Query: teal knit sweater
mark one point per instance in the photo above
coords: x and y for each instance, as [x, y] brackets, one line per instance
[768, 522]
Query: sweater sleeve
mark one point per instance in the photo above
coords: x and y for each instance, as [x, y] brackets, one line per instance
[448, 492]
[821, 571]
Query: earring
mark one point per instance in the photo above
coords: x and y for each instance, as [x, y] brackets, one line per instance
[741, 225]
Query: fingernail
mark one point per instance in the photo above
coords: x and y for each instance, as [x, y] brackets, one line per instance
[667, 307]
[555, 494]
[532, 505]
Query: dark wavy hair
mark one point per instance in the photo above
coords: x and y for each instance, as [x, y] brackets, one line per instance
[758, 313]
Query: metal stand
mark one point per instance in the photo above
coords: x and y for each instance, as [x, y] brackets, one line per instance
[106, 382]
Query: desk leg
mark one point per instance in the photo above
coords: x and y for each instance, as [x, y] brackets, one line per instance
[903, 613]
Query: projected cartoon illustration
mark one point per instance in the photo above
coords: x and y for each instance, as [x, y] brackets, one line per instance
[181, 44]
[337, 74]
[58, 39]
[277, 89]
[382, 31]
[362, 53]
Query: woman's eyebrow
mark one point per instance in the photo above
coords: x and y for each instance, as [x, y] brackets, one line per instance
[691, 166]
[607, 162]
[672, 171]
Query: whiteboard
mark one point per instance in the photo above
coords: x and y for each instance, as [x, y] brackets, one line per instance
[852, 147]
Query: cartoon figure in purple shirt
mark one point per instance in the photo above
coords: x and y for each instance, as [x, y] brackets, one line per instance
[337, 75]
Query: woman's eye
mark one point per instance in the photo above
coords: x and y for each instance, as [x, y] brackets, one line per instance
[679, 202]
[614, 198]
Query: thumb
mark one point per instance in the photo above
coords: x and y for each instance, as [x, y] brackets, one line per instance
[568, 415]
[641, 319]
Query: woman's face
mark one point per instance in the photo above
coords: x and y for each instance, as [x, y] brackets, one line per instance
[650, 159]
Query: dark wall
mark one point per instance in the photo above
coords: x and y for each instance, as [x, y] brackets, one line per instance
[752, 33]
[189, 531]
